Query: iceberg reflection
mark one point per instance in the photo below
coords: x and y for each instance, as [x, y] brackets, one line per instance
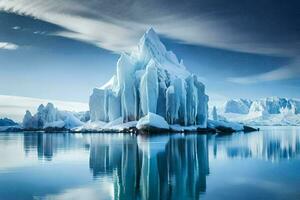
[271, 145]
[158, 167]
[166, 166]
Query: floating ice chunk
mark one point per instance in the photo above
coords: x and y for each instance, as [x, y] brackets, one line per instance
[152, 120]
[233, 125]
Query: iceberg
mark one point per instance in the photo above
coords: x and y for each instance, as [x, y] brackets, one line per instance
[7, 122]
[240, 106]
[225, 126]
[50, 117]
[266, 111]
[151, 83]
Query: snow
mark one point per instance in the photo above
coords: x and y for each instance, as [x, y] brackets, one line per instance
[151, 79]
[152, 120]
[91, 126]
[49, 116]
[116, 125]
[69, 119]
[122, 126]
[178, 128]
[267, 111]
[55, 124]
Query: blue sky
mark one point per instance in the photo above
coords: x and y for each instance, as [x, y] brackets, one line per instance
[62, 49]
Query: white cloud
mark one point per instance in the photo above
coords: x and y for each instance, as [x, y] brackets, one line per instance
[282, 73]
[108, 25]
[8, 46]
[16, 27]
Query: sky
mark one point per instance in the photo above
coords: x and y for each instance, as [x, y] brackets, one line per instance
[63, 49]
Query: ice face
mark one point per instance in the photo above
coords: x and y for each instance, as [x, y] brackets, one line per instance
[275, 105]
[269, 105]
[149, 89]
[28, 120]
[214, 113]
[151, 80]
[267, 111]
[239, 106]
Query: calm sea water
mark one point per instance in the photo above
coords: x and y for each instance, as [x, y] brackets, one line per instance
[259, 165]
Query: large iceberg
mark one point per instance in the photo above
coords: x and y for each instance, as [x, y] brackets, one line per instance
[151, 80]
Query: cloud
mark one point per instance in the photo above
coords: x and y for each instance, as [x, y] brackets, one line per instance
[117, 25]
[8, 46]
[16, 27]
[282, 73]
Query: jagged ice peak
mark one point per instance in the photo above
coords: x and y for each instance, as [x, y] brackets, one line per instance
[151, 80]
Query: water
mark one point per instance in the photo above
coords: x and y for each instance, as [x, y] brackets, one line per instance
[259, 165]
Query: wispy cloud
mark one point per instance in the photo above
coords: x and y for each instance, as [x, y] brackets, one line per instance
[108, 25]
[8, 46]
[282, 73]
[16, 27]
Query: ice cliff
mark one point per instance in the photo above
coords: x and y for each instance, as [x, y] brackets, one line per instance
[269, 105]
[265, 111]
[151, 80]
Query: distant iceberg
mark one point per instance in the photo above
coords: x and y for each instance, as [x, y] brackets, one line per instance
[7, 122]
[151, 82]
[50, 117]
[266, 111]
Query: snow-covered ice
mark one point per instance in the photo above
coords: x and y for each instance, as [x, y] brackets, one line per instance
[151, 80]
[152, 120]
[220, 123]
[14, 107]
[7, 122]
[49, 116]
[266, 111]
[240, 106]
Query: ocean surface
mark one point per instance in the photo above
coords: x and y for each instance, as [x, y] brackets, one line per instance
[257, 165]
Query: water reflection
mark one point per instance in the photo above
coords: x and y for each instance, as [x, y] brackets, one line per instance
[47, 145]
[272, 145]
[162, 166]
